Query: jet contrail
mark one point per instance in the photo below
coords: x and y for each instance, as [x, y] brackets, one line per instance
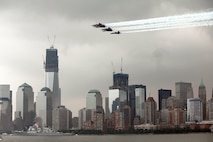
[163, 23]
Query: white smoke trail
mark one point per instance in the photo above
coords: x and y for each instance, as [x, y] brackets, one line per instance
[163, 23]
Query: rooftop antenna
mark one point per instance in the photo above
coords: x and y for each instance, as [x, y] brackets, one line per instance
[51, 44]
[113, 68]
[121, 64]
[43, 61]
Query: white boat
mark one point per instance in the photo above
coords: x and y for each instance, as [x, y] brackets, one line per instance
[1, 139]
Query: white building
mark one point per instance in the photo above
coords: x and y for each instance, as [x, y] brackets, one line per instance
[25, 104]
[140, 99]
[194, 110]
[94, 100]
[115, 97]
[44, 107]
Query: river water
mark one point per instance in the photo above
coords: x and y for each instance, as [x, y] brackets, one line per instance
[198, 137]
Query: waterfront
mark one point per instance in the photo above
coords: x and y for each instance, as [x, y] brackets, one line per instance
[195, 137]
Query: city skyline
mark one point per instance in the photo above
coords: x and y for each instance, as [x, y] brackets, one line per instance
[155, 59]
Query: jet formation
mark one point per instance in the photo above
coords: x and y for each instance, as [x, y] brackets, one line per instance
[105, 29]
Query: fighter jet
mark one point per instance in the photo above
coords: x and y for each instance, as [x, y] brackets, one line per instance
[107, 29]
[99, 25]
[118, 32]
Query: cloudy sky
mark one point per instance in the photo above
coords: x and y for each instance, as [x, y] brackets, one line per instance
[156, 59]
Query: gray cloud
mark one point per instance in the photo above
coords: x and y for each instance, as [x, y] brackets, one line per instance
[156, 59]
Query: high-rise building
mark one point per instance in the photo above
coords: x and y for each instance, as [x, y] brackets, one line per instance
[183, 92]
[117, 96]
[94, 112]
[116, 99]
[107, 113]
[176, 117]
[81, 118]
[202, 96]
[120, 81]
[209, 108]
[126, 117]
[44, 107]
[51, 78]
[150, 111]
[194, 110]
[136, 100]
[163, 95]
[25, 104]
[94, 100]
[5, 108]
[62, 117]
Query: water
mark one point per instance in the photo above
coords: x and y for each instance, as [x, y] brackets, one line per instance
[201, 137]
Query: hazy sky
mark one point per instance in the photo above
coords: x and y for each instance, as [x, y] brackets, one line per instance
[155, 59]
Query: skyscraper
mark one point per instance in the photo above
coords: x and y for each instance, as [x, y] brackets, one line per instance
[5, 108]
[183, 92]
[202, 96]
[118, 91]
[25, 104]
[62, 117]
[120, 81]
[94, 100]
[44, 107]
[136, 100]
[150, 111]
[115, 96]
[209, 108]
[194, 110]
[163, 94]
[51, 78]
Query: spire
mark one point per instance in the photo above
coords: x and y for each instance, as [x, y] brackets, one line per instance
[201, 83]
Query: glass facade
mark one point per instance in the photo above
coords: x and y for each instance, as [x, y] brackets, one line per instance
[51, 78]
[51, 60]
[25, 104]
[140, 98]
[194, 110]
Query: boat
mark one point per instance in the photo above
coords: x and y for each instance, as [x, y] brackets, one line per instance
[1, 139]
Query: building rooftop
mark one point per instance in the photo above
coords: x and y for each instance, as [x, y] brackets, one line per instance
[25, 85]
[46, 89]
[201, 83]
[94, 91]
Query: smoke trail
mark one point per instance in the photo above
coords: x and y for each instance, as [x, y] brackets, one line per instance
[163, 23]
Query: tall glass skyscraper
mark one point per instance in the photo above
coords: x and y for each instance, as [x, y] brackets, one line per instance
[163, 94]
[136, 100]
[44, 107]
[194, 110]
[51, 78]
[25, 104]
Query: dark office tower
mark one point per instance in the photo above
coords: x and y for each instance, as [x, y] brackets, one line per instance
[202, 96]
[182, 91]
[120, 81]
[51, 78]
[163, 94]
[136, 100]
[5, 108]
